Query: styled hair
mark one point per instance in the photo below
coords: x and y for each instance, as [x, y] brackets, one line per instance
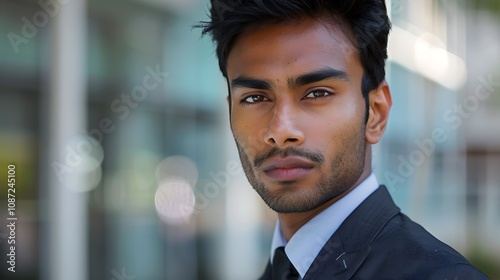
[364, 22]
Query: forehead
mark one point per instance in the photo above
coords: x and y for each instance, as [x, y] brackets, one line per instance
[290, 48]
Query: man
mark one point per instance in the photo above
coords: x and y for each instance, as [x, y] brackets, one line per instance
[307, 100]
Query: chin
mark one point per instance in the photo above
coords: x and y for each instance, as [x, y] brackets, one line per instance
[292, 200]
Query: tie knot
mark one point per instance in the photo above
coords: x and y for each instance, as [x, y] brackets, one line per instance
[282, 267]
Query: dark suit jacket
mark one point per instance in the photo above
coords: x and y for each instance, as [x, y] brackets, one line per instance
[377, 241]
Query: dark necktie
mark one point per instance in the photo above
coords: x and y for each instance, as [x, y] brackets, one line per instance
[282, 267]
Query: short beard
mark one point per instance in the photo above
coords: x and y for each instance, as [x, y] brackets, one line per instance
[345, 170]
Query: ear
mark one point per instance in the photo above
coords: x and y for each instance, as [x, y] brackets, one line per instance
[380, 102]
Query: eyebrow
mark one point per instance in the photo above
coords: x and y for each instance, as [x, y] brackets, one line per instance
[317, 76]
[247, 82]
[304, 79]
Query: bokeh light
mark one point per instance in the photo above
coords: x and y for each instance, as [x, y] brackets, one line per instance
[88, 155]
[174, 201]
[174, 198]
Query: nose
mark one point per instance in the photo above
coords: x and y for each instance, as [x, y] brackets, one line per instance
[284, 128]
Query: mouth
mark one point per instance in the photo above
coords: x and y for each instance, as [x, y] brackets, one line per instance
[288, 168]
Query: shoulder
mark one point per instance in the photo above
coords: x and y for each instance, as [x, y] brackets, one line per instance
[456, 272]
[377, 241]
[406, 247]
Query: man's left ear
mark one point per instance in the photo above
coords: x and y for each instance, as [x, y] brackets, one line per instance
[380, 104]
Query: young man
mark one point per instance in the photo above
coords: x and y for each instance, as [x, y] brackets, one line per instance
[307, 100]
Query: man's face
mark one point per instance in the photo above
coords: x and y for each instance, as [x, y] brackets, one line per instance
[297, 113]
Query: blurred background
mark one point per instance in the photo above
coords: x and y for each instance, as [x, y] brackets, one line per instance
[114, 115]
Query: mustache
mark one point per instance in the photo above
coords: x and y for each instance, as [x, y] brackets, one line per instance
[290, 151]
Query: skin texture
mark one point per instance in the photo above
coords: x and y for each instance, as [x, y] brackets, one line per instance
[317, 121]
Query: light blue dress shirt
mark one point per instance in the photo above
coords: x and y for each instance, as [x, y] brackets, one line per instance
[308, 241]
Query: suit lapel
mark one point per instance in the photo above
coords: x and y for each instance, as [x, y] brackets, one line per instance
[348, 247]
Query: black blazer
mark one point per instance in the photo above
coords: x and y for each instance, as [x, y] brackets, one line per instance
[377, 241]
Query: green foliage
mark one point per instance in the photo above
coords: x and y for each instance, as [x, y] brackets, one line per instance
[486, 263]
[491, 5]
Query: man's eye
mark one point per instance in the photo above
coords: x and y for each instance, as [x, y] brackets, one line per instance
[254, 99]
[318, 94]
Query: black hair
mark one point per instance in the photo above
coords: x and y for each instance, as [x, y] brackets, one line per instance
[364, 22]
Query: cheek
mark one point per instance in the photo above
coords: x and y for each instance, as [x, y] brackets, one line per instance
[240, 121]
[247, 137]
[249, 129]
[336, 129]
[239, 126]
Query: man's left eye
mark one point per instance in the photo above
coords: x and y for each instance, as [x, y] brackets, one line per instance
[318, 93]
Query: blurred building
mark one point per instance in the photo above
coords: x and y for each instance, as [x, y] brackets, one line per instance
[114, 114]
[440, 156]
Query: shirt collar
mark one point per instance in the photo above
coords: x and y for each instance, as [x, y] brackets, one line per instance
[308, 241]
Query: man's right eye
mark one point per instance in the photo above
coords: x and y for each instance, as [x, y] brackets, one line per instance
[254, 99]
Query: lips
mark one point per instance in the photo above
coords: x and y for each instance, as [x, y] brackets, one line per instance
[288, 168]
